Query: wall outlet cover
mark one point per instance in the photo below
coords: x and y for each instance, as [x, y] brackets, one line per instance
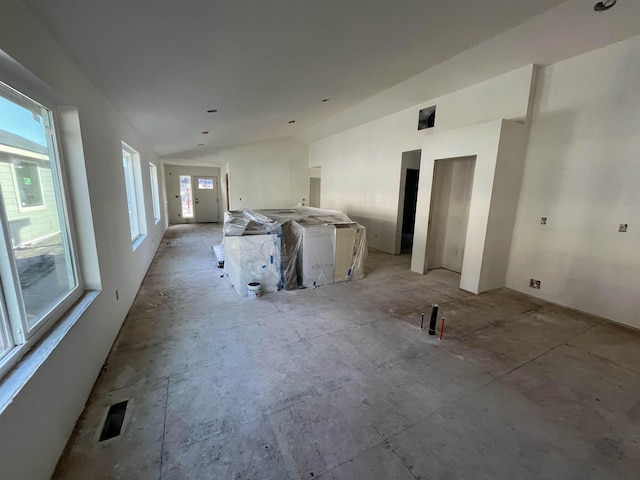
[622, 228]
[543, 221]
[533, 283]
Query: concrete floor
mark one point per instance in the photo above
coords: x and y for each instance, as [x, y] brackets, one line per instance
[338, 383]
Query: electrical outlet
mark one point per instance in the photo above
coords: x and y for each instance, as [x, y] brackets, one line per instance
[533, 283]
[543, 221]
[622, 228]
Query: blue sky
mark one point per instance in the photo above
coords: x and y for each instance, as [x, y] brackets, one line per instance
[20, 121]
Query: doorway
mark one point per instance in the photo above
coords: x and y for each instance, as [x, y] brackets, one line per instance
[314, 187]
[206, 199]
[449, 212]
[407, 201]
[409, 213]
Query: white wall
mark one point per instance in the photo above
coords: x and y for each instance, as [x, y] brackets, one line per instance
[35, 426]
[361, 167]
[582, 172]
[494, 146]
[272, 174]
[174, 206]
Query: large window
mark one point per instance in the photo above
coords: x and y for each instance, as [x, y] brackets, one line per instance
[38, 267]
[133, 184]
[155, 197]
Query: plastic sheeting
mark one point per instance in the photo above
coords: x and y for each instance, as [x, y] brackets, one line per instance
[314, 247]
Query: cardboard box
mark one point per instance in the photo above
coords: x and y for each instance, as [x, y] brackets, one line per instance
[318, 255]
[253, 258]
[345, 252]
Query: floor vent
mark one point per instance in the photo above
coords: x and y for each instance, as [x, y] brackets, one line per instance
[113, 423]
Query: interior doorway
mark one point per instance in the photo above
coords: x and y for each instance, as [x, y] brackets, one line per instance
[206, 199]
[314, 187]
[408, 200]
[409, 214]
[449, 212]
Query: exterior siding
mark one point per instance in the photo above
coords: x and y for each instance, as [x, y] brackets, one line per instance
[29, 225]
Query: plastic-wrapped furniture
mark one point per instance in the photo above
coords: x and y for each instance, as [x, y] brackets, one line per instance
[315, 247]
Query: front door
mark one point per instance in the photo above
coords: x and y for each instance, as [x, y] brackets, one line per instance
[206, 195]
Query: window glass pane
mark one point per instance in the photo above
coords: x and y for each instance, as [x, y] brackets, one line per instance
[33, 202]
[186, 197]
[129, 179]
[154, 191]
[205, 183]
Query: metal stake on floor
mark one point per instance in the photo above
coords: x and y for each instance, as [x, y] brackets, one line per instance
[434, 318]
[422, 322]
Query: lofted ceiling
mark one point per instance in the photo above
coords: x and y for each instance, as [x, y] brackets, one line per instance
[261, 64]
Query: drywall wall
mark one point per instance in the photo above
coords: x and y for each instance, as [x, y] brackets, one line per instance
[361, 167]
[495, 146]
[272, 174]
[450, 202]
[582, 173]
[35, 426]
[172, 174]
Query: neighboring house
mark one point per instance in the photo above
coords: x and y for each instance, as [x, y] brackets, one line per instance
[26, 181]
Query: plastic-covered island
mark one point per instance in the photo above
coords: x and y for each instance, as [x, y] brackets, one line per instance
[293, 248]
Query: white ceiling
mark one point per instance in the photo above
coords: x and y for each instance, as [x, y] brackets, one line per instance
[261, 63]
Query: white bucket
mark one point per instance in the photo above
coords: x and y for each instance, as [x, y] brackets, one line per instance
[253, 290]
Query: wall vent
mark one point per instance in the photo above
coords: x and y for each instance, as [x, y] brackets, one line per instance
[427, 118]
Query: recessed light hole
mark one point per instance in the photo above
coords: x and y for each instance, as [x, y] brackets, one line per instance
[604, 5]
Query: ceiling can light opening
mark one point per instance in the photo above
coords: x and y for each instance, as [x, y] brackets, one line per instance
[292, 121]
[205, 133]
[604, 5]
[213, 110]
[325, 99]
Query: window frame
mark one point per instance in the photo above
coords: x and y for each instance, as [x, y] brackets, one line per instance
[155, 192]
[12, 308]
[135, 181]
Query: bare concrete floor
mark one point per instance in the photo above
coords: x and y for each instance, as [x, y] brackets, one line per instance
[339, 383]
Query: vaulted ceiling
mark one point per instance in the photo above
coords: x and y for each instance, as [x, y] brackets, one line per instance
[259, 63]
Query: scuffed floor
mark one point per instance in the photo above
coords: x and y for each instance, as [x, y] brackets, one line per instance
[339, 383]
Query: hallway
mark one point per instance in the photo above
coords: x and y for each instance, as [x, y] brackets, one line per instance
[339, 383]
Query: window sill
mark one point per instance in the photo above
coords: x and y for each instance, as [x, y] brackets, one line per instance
[28, 358]
[138, 241]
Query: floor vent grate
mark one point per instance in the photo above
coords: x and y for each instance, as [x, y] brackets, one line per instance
[113, 422]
